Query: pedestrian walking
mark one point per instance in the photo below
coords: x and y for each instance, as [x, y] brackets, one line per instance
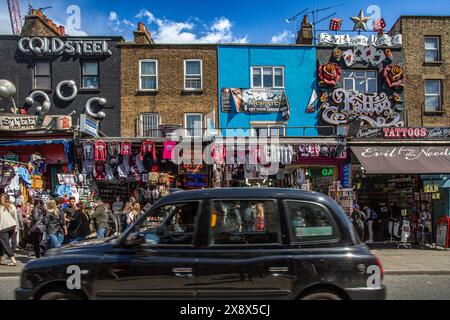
[8, 225]
[55, 225]
[102, 216]
[81, 224]
[38, 227]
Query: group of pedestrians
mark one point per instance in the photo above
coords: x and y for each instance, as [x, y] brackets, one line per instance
[50, 225]
[127, 213]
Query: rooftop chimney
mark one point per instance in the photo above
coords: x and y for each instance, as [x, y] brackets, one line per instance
[38, 24]
[305, 35]
[142, 36]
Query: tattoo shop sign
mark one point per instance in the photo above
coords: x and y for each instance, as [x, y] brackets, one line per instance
[373, 110]
[256, 100]
[404, 133]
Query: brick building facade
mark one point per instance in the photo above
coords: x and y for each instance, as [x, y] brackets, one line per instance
[155, 82]
[426, 43]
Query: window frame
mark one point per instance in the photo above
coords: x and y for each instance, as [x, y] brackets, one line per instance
[262, 77]
[141, 128]
[267, 126]
[201, 74]
[42, 76]
[439, 95]
[185, 124]
[197, 227]
[82, 62]
[366, 80]
[276, 211]
[293, 239]
[438, 38]
[156, 75]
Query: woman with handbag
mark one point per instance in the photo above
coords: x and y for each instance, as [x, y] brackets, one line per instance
[37, 226]
[8, 226]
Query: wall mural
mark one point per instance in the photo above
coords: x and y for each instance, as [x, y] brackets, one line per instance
[338, 105]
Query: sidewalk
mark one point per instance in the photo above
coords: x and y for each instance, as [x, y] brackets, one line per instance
[416, 261]
[22, 259]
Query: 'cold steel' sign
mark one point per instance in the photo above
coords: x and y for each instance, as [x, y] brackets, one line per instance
[56, 46]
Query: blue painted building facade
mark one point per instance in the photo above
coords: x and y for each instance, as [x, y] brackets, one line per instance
[240, 66]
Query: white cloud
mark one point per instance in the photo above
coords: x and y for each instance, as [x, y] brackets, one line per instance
[146, 14]
[284, 37]
[112, 16]
[191, 31]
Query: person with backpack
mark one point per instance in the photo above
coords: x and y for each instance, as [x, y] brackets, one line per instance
[358, 218]
[8, 225]
[38, 227]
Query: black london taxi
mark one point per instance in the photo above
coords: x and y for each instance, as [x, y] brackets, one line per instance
[232, 243]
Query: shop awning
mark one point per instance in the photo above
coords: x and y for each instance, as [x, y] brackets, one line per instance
[23, 143]
[404, 159]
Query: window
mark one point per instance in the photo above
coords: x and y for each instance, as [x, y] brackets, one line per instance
[433, 96]
[148, 75]
[149, 125]
[361, 81]
[267, 77]
[310, 222]
[268, 130]
[193, 124]
[432, 49]
[244, 222]
[172, 224]
[42, 75]
[193, 74]
[90, 75]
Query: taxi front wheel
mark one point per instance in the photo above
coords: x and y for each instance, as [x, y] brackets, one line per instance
[60, 295]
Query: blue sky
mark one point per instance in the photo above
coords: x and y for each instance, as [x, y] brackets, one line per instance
[213, 21]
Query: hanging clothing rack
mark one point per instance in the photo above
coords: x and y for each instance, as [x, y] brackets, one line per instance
[15, 162]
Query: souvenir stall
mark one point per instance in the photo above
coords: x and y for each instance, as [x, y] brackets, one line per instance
[31, 168]
[113, 168]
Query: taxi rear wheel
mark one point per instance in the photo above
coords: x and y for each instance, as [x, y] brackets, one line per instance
[60, 295]
[324, 295]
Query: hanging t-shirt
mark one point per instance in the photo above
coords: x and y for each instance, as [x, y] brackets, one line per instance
[88, 151]
[148, 147]
[169, 148]
[25, 176]
[10, 157]
[100, 151]
[99, 171]
[218, 153]
[125, 149]
[14, 184]
[113, 153]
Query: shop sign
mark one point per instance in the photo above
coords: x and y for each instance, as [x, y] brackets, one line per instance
[42, 46]
[257, 100]
[18, 123]
[188, 168]
[410, 133]
[327, 172]
[88, 125]
[375, 110]
[383, 40]
[430, 188]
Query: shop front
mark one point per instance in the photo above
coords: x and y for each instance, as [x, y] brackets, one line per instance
[404, 182]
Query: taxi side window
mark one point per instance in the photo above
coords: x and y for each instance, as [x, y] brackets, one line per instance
[310, 222]
[244, 222]
[170, 224]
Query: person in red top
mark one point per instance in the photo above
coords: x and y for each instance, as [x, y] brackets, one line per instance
[100, 151]
[148, 147]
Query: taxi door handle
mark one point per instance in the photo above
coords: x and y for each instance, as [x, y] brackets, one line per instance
[183, 272]
[278, 271]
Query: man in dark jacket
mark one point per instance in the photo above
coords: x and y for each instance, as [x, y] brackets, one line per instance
[101, 218]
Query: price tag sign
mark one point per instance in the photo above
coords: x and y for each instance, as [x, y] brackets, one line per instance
[436, 196]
